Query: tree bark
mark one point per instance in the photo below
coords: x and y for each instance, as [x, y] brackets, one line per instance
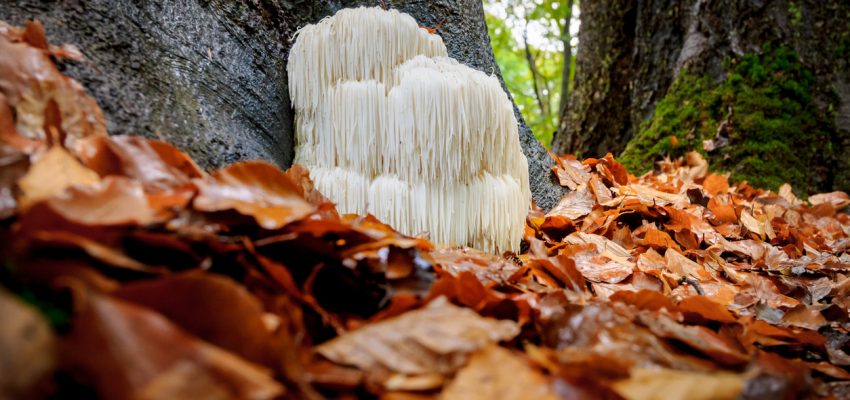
[210, 75]
[563, 104]
[603, 63]
[630, 53]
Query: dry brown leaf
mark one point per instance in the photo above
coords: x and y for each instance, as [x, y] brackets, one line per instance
[700, 338]
[715, 184]
[41, 95]
[574, 205]
[752, 224]
[786, 192]
[705, 308]
[494, 373]
[148, 357]
[684, 266]
[27, 348]
[666, 384]
[804, 316]
[211, 307]
[597, 258]
[114, 201]
[52, 173]
[437, 338]
[157, 165]
[301, 176]
[489, 269]
[570, 172]
[650, 196]
[13, 166]
[838, 200]
[255, 189]
[94, 249]
[604, 246]
[657, 239]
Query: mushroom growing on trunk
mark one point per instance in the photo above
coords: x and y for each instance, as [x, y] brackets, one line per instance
[388, 124]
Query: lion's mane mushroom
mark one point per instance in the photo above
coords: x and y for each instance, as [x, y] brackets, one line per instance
[388, 124]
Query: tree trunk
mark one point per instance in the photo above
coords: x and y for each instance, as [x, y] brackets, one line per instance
[563, 104]
[592, 126]
[641, 65]
[210, 75]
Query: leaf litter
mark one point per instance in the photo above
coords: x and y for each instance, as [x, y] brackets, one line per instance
[128, 272]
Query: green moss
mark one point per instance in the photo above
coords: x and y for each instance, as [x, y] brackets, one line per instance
[772, 129]
[795, 13]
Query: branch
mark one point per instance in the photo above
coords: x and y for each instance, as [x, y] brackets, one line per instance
[535, 74]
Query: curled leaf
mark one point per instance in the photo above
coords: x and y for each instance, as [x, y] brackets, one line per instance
[255, 189]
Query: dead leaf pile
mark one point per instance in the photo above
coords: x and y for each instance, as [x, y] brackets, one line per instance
[129, 272]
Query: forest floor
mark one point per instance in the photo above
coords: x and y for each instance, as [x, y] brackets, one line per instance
[129, 272]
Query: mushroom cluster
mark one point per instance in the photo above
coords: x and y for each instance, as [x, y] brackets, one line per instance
[388, 124]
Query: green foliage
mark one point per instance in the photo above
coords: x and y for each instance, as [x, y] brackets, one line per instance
[511, 58]
[772, 130]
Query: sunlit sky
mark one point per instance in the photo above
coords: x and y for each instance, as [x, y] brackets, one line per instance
[536, 30]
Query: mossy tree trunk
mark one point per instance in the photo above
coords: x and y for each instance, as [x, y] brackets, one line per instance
[210, 75]
[762, 87]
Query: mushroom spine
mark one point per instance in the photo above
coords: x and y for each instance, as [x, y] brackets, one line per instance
[388, 124]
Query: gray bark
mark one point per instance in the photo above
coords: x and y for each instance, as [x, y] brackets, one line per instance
[210, 75]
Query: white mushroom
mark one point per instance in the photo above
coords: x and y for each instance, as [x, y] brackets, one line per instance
[388, 124]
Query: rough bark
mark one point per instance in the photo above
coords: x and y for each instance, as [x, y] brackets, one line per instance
[603, 62]
[210, 75]
[563, 104]
[630, 53]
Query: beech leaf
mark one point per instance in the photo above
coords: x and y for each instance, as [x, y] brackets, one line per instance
[437, 338]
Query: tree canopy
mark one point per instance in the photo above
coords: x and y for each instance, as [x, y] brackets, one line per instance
[528, 38]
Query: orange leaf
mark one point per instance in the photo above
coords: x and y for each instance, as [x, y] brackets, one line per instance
[255, 189]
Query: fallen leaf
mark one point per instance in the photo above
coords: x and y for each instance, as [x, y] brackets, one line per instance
[715, 184]
[227, 316]
[301, 176]
[666, 384]
[437, 338]
[255, 189]
[157, 165]
[489, 269]
[113, 201]
[52, 173]
[705, 309]
[574, 204]
[146, 356]
[13, 166]
[700, 338]
[27, 348]
[838, 200]
[570, 172]
[31, 83]
[496, 373]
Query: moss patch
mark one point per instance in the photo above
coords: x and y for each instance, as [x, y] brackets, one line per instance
[761, 120]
